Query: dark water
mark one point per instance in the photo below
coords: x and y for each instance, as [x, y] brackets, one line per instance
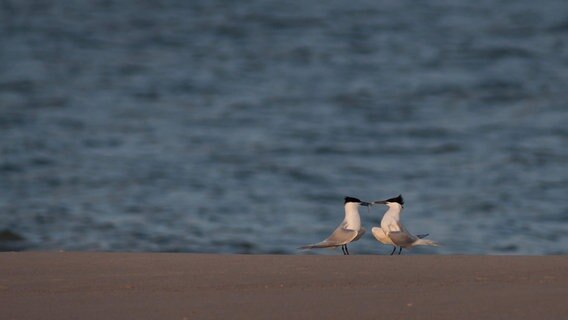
[238, 127]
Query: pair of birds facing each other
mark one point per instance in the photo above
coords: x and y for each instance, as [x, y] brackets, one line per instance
[391, 232]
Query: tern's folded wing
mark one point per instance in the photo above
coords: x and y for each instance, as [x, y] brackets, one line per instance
[339, 237]
[360, 233]
[402, 239]
[380, 235]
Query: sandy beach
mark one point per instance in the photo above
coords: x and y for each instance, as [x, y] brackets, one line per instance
[51, 285]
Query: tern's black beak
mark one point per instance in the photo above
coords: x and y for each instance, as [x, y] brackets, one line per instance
[380, 202]
[365, 204]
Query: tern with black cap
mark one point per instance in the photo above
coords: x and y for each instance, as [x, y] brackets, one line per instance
[393, 232]
[348, 231]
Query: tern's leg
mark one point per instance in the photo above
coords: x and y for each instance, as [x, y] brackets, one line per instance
[399, 251]
[343, 249]
[346, 250]
[393, 250]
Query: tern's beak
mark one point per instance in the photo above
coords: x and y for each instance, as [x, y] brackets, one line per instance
[380, 202]
[365, 204]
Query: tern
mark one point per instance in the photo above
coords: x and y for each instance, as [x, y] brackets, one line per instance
[348, 231]
[393, 232]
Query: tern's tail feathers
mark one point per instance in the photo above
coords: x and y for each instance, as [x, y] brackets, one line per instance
[425, 242]
[422, 236]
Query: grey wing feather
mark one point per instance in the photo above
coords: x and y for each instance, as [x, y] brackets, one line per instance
[339, 237]
[402, 239]
[360, 233]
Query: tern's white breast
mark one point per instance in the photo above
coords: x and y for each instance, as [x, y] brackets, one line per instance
[391, 219]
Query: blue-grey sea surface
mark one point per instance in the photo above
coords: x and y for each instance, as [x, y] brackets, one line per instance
[239, 126]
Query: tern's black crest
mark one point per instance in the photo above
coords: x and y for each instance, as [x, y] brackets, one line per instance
[351, 199]
[396, 199]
